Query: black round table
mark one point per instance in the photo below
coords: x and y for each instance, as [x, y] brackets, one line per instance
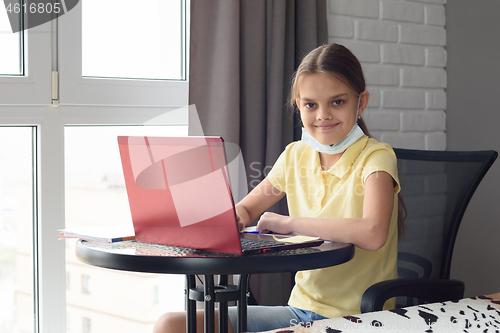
[151, 258]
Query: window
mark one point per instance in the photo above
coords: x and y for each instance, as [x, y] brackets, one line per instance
[86, 75]
[16, 229]
[149, 46]
[24, 76]
[86, 325]
[94, 183]
[12, 45]
[85, 107]
[86, 284]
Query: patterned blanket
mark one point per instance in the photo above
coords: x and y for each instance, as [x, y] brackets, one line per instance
[476, 314]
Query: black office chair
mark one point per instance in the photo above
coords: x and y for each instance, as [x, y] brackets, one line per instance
[436, 188]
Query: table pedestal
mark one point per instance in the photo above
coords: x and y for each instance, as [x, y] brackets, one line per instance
[152, 258]
[209, 293]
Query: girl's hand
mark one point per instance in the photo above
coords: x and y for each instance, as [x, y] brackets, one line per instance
[271, 222]
[257, 201]
[241, 222]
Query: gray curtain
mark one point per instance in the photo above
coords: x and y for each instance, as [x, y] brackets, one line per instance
[243, 54]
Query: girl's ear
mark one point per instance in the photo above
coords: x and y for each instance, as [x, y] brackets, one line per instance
[297, 103]
[364, 98]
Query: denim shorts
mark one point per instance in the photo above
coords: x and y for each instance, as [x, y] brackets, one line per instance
[266, 318]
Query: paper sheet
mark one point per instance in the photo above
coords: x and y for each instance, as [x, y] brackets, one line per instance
[296, 239]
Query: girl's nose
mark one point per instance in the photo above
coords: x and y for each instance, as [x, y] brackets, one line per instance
[323, 114]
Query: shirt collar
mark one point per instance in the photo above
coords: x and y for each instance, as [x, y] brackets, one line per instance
[342, 167]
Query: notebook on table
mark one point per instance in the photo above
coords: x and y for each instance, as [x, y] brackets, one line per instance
[180, 195]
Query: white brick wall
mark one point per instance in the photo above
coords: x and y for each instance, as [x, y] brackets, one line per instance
[401, 46]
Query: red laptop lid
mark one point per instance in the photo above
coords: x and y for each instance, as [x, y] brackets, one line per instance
[179, 192]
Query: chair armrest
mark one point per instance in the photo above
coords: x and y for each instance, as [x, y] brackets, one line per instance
[429, 290]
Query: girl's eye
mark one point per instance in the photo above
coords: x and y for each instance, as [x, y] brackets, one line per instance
[338, 102]
[309, 105]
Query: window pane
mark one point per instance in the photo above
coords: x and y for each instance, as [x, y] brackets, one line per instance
[102, 300]
[16, 230]
[133, 39]
[10, 46]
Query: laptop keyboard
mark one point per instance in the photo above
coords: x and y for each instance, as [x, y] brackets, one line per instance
[255, 243]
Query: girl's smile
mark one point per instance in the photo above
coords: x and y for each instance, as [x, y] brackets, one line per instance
[325, 127]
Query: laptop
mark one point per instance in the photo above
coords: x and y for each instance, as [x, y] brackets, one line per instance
[180, 195]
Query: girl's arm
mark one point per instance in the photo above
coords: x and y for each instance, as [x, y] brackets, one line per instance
[369, 232]
[256, 202]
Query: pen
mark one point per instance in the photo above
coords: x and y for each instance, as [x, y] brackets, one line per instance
[251, 232]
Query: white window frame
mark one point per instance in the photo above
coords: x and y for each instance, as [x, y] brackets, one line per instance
[27, 101]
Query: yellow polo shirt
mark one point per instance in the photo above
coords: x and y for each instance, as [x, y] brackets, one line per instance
[337, 193]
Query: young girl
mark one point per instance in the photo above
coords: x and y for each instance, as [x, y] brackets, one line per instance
[340, 185]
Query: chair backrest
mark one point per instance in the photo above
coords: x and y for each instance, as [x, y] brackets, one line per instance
[436, 189]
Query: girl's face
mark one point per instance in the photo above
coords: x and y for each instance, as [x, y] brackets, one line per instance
[328, 107]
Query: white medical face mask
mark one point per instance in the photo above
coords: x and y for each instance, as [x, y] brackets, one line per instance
[339, 147]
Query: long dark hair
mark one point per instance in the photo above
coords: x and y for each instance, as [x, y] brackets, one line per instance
[336, 60]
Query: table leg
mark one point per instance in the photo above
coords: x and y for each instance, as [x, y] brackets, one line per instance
[223, 313]
[191, 305]
[242, 303]
[209, 304]
[209, 293]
